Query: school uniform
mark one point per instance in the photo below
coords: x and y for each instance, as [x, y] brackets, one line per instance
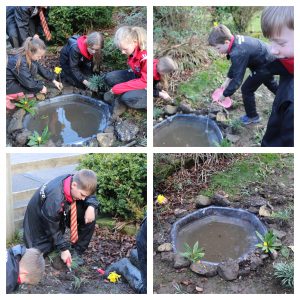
[131, 84]
[13, 257]
[76, 61]
[247, 52]
[280, 128]
[24, 78]
[48, 214]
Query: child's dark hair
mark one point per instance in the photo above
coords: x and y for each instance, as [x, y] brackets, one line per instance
[30, 46]
[165, 66]
[131, 33]
[34, 264]
[86, 180]
[219, 35]
[274, 18]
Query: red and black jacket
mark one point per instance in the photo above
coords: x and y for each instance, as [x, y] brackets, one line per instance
[156, 78]
[138, 64]
[280, 128]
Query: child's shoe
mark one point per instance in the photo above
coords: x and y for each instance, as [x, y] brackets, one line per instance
[246, 120]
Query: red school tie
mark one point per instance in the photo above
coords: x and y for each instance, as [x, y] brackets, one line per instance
[73, 223]
[44, 25]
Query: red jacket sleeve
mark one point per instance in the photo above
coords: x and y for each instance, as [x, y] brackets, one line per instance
[134, 84]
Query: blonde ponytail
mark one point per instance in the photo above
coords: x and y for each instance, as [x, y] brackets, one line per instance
[131, 33]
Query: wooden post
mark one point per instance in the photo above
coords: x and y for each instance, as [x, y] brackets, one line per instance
[10, 224]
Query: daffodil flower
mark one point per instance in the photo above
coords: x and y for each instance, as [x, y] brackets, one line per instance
[265, 244]
[57, 70]
[161, 199]
[113, 277]
[25, 102]
[216, 24]
[39, 139]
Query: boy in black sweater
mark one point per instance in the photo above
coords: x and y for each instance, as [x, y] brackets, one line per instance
[277, 24]
[244, 52]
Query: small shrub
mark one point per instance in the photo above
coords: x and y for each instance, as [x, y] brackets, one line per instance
[269, 242]
[29, 105]
[194, 253]
[37, 140]
[157, 112]
[122, 183]
[285, 272]
[97, 83]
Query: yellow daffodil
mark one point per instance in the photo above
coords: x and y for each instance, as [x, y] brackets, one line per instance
[216, 24]
[161, 199]
[25, 102]
[113, 277]
[265, 244]
[39, 139]
[57, 70]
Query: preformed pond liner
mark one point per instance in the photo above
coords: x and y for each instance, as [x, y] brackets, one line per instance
[72, 119]
[223, 233]
[187, 130]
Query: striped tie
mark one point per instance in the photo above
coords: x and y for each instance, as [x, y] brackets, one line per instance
[45, 25]
[73, 223]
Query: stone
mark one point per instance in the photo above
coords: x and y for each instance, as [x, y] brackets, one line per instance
[204, 269]
[220, 200]
[186, 108]
[170, 109]
[22, 137]
[255, 262]
[221, 117]
[119, 108]
[264, 256]
[165, 247]
[167, 256]
[16, 122]
[256, 201]
[244, 272]
[253, 210]
[180, 261]
[92, 143]
[264, 211]
[279, 233]
[40, 96]
[49, 143]
[232, 138]
[228, 270]
[105, 139]
[109, 129]
[199, 289]
[126, 131]
[202, 201]
[57, 263]
[274, 254]
[68, 90]
[178, 212]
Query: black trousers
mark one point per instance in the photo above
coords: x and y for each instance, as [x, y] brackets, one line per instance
[135, 99]
[249, 87]
[141, 243]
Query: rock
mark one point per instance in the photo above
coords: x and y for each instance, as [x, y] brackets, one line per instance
[274, 254]
[256, 201]
[202, 201]
[180, 261]
[126, 131]
[220, 200]
[232, 138]
[204, 269]
[279, 233]
[228, 270]
[199, 289]
[49, 143]
[105, 139]
[109, 129]
[264, 211]
[16, 122]
[22, 137]
[92, 143]
[264, 256]
[67, 90]
[170, 109]
[253, 210]
[178, 212]
[244, 272]
[221, 117]
[255, 262]
[282, 185]
[118, 109]
[186, 108]
[165, 247]
[167, 256]
[158, 238]
[57, 263]
[40, 97]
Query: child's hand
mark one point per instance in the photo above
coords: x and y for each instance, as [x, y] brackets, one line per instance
[66, 257]
[89, 215]
[58, 85]
[164, 95]
[221, 98]
[44, 90]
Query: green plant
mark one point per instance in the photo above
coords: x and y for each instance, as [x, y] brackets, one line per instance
[16, 239]
[28, 105]
[283, 215]
[194, 253]
[269, 242]
[38, 140]
[157, 112]
[77, 282]
[97, 83]
[122, 183]
[225, 143]
[285, 272]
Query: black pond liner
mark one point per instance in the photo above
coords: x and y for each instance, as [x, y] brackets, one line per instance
[254, 224]
[190, 119]
[103, 107]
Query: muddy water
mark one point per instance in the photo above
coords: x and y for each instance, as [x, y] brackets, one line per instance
[221, 237]
[68, 122]
[184, 134]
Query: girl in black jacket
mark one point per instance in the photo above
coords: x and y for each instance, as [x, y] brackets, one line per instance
[22, 68]
[77, 57]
